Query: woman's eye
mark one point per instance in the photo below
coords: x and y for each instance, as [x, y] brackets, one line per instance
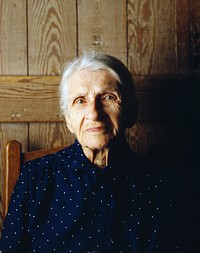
[109, 97]
[79, 101]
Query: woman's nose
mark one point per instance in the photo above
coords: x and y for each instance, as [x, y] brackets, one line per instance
[94, 110]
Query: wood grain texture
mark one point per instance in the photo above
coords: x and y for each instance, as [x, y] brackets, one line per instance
[188, 34]
[183, 30]
[13, 61]
[13, 39]
[29, 99]
[52, 41]
[52, 35]
[151, 37]
[35, 98]
[155, 96]
[48, 135]
[102, 27]
[143, 136]
[194, 26]
[156, 142]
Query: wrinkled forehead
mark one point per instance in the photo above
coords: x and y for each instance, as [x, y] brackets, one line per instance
[86, 78]
[88, 73]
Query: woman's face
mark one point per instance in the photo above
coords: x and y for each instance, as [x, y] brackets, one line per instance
[94, 111]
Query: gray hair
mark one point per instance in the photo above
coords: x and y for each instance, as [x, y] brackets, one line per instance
[99, 61]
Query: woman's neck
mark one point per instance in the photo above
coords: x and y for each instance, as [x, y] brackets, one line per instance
[97, 157]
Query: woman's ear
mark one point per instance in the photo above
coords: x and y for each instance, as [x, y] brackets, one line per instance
[69, 124]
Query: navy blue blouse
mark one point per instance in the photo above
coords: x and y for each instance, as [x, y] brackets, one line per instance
[64, 203]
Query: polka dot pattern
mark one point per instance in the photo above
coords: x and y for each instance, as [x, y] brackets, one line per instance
[63, 203]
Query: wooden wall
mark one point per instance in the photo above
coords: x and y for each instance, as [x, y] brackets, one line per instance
[158, 40]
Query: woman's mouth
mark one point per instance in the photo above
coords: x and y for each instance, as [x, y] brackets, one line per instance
[97, 129]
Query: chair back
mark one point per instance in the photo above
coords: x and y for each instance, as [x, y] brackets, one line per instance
[13, 159]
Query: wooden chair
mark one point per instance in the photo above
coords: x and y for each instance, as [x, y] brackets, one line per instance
[14, 158]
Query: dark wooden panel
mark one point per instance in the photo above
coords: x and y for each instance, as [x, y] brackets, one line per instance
[183, 39]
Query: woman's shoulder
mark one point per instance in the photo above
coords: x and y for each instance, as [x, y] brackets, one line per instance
[49, 161]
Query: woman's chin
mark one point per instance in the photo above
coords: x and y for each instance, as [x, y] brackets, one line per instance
[97, 143]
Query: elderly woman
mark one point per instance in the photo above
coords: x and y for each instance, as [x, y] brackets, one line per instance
[96, 195]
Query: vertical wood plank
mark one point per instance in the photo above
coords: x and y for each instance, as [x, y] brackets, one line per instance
[13, 61]
[13, 43]
[194, 25]
[151, 37]
[102, 26]
[51, 36]
[183, 41]
[47, 135]
[143, 137]
[52, 42]
[188, 33]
